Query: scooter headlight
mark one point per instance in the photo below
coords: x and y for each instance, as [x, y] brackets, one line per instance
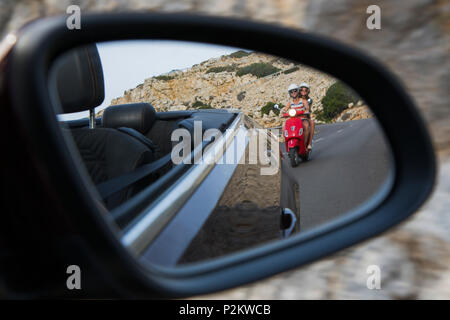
[286, 134]
[292, 113]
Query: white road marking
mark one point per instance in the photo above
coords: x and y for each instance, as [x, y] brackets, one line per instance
[317, 140]
[339, 131]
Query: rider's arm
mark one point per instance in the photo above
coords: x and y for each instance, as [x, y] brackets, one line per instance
[308, 104]
[288, 105]
[285, 109]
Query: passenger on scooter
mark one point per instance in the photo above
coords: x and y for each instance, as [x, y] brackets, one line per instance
[307, 102]
[297, 102]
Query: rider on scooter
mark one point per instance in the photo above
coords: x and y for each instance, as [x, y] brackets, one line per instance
[307, 102]
[298, 101]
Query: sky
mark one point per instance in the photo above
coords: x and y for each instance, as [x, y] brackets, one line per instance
[127, 64]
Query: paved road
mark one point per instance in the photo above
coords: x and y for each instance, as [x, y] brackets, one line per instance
[349, 163]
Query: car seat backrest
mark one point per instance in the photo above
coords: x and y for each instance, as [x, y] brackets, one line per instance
[138, 116]
[79, 79]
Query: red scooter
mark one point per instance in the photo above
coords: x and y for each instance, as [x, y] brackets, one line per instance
[294, 135]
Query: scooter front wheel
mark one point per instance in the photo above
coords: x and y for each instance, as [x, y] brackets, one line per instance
[293, 155]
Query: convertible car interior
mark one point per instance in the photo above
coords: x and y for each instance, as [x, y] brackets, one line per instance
[127, 137]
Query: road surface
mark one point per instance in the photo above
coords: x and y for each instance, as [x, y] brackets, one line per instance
[349, 163]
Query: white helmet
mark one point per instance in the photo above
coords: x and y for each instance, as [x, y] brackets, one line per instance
[293, 86]
[304, 84]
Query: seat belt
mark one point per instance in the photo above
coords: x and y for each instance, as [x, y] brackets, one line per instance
[139, 136]
[109, 187]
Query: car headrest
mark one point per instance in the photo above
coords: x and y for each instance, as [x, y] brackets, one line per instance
[79, 79]
[139, 116]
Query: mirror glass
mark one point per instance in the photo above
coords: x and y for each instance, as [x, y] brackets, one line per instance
[197, 151]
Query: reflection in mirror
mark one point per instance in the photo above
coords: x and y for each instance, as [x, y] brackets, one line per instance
[198, 151]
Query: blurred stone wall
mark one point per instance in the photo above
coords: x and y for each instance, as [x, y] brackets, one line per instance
[414, 41]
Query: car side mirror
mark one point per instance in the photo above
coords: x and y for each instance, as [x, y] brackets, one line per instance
[54, 214]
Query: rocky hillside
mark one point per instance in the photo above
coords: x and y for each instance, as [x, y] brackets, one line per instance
[354, 112]
[219, 83]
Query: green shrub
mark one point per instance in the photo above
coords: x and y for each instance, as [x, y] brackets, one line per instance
[229, 68]
[257, 69]
[205, 106]
[241, 96]
[239, 54]
[293, 69]
[270, 106]
[283, 61]
[164, 78]
[201, 105]
[336, 100]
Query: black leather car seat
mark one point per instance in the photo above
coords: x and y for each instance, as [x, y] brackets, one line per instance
[134, 119]
[137, 120]
[107, 153]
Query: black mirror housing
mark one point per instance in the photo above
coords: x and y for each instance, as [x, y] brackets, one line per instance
[51, 219]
